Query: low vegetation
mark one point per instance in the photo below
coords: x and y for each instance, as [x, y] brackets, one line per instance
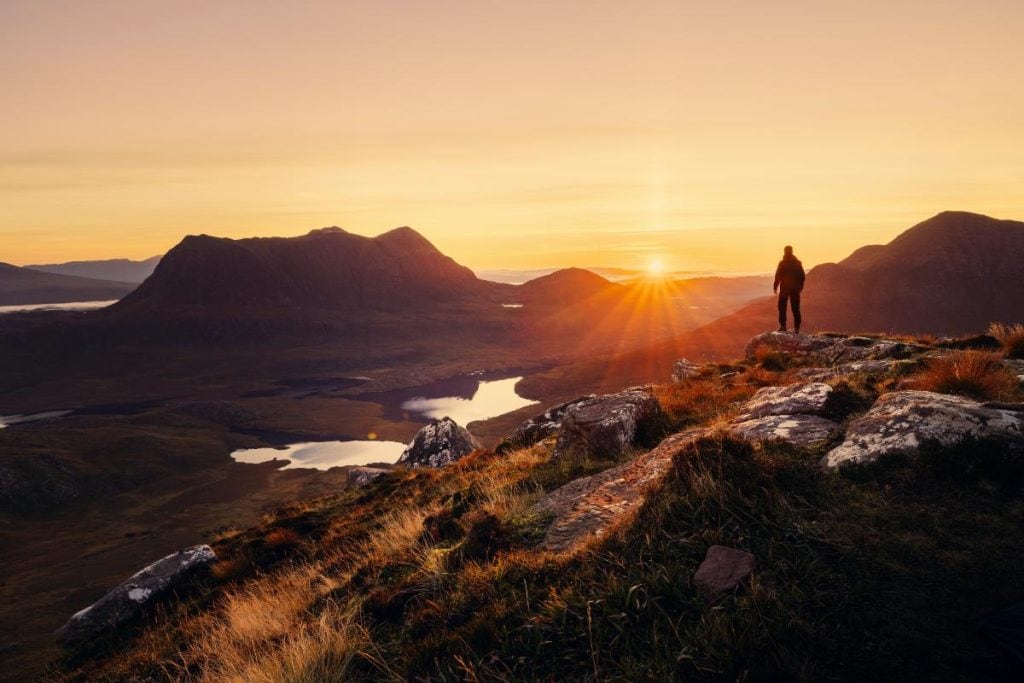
[1011, 337]
[975, 374]
[879, 571]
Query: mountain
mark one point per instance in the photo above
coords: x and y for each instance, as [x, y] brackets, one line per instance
[565, 287]
[26, 286]
[952, 274]
[117, 270]
[326, 269]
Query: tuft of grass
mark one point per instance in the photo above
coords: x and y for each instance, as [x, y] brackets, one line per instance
[1011, 337]
[975, 374]
[701, 401]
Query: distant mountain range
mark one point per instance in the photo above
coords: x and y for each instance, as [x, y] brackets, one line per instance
[24, 286]
[117, 270]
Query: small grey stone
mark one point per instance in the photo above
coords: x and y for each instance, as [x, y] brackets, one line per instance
[723, 569]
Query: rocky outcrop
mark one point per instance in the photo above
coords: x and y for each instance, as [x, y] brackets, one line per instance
[830, 349]
[802, 431]
[132, 597]
[723, 569]
[538, 428]
[901, 421]
[605, 426]
[869, 367]
[683, 370]
[587, 507]
[794, 399]
[359, 476]
[789, 413]
[440, 443]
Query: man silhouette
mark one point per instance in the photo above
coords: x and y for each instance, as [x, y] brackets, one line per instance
[789, 282]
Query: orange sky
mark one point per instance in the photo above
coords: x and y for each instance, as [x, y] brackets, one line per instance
[512, 134]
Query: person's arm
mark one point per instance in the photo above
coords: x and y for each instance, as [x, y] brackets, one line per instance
[801, 275]
[778, 277]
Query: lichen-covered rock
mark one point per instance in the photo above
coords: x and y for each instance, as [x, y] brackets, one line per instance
[723, 569]
[538, 428]
[683, 370]
[795, 399]
[587, 507]
[803, 431]
[133, 596]
[872, 367]
[789, 343]
[440, 443]
[359, 476]
[605, 426]
[831, 349]
[901, 421]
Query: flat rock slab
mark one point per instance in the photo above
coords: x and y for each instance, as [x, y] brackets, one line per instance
[829, 350]
[605, 426]
[587, 507]
[795, 399]
[723, 569]
[901, 421]
[803, 431]
[873, 367]
[133, 596]
[440, 443]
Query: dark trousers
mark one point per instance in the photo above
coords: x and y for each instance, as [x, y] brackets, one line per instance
[793, 298]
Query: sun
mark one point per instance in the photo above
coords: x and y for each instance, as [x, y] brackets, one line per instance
[656, 268]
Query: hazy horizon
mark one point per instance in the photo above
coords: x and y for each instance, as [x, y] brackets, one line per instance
[529, 135]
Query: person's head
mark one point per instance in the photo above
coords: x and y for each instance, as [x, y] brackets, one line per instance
[788, 251]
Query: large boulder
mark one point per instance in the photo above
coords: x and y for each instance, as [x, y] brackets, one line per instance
[440, 443]
[723, 569]
[802, 431]
[132, 597]
[795, 399]
[539, 427]
[901, 421]
[605, 426]
[788, 413]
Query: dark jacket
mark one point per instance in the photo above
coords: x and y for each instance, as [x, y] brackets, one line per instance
[789, 276]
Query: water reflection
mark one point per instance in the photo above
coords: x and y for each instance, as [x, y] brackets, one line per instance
[464, 398]
[323, 455]
[68, 306]
[7, 420]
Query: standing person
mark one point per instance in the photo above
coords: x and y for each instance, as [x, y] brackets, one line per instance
[789, 282]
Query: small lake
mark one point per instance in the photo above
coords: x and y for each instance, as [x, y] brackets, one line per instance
[8, 420]
[68, 306]
[463, 398]
[323, 455]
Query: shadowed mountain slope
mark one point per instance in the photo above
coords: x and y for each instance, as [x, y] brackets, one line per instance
[328, 268]
[118, 270]
[26, 286]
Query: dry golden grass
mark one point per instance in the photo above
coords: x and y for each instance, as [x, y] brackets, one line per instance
[281, 538]
[700, 400]
[976, 374]
[1011, 337]
[266, 631]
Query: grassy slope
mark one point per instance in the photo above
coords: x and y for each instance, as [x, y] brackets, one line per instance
[879, 571]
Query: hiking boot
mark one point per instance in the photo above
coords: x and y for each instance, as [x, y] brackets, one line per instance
[796, 331]
[782, 329]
